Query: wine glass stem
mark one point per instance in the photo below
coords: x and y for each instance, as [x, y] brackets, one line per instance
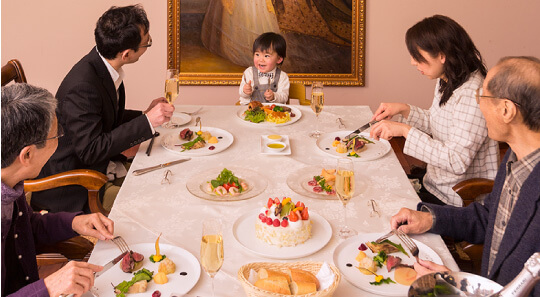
[213, 292]
[345, 214]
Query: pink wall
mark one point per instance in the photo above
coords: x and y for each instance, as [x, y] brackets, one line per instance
[50, 36]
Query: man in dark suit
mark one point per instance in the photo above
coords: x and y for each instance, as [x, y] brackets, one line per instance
[508, 223]
[91, 108]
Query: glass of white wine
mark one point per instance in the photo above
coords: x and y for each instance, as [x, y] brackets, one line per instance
[172, 88]
[345, 190]
[317, 104]
[212, 248]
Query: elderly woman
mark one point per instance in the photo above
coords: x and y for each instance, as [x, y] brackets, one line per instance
[29, 137]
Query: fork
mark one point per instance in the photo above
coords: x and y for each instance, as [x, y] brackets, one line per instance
[193, 112]
[408, 242]
[121, 244]
[385, 236]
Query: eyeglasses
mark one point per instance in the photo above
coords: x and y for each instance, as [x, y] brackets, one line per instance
[480, 93]
[149, 44]
[59, 133]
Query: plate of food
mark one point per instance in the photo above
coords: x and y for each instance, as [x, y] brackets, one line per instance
[192, 143]
[360, 148]
[282, 230]
[318, 182]
[227, 184]
[269, 115]
[390, 261]
[183, 273]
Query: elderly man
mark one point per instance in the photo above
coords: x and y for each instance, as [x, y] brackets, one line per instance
[29, 137]
[91, 108]
[508, 223]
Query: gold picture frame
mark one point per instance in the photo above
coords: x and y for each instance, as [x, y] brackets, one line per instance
[208, 76]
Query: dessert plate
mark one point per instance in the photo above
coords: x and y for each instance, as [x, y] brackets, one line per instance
[257, 183]
[297, 115]
[186, 276]
[346, 252]
[372, 151]
[172, 142]
[178, 119]
[244, 233]
[266, 151]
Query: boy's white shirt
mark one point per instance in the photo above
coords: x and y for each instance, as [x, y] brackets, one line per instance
[280, 96]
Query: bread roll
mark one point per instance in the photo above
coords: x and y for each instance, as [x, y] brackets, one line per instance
[302, 276]
[298, 288]
[276, 284]
[265, 273]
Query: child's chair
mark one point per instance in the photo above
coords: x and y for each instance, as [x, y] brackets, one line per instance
[297, 91]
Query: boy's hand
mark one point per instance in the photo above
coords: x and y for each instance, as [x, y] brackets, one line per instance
[248, 90]
[269, 95]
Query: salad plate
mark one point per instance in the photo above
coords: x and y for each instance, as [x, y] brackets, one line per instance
[346, 252]
[298, 181]
[172, 143]
[257, 183]
[297, 115]
[178, 119]
[244, 233]
[372, 151]
[186, 276]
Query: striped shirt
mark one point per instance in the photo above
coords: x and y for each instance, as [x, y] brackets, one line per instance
[453, 140]
[516, 174]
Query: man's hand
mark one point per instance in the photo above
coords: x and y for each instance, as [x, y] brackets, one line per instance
[269, 95]
[411, 221]
[248, 90]
[388, 110]
[424, 267]
[388, 129]
[155, 102]
[159, 112]
[96, 225]
[74, 278]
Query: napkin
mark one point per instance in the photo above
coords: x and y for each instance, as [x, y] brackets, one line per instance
[325, 276]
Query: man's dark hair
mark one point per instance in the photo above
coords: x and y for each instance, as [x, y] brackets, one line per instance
[518, 79]
[441, 35]
[27, 115]
[272, 41]
[119, 29]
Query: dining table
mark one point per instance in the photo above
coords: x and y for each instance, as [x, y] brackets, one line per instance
[147, 205]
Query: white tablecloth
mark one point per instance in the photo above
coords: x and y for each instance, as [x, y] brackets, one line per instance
[144, 208]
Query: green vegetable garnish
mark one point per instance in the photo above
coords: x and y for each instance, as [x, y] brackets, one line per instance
[380, 258]
[152, 258]
[383, 281]
[225, 177]
[322, 182]
[143, 274]
[255, 116]
[398, 246]
[278, 108]
[189, 145]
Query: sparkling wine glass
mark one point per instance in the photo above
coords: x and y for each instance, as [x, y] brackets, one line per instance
[345, 190]
[212, 248]
[317, 104]
[172, 88]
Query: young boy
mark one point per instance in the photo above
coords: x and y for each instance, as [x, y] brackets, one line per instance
[270, 83]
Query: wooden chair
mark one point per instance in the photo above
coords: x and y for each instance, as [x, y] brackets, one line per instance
[407, 162]
[298, 91]
[79, 247]
[13, 71]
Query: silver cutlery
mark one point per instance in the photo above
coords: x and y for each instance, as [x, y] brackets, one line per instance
[359, 130]
[152, 168]
[193, 112]
[385, 236]
[121, 244]
[110, 264]
[408, 242]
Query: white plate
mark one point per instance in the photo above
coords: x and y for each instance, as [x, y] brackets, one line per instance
[244, 233]
[184, 260]
[172, 142]
[298, 182]
[266, 151]
[347, 251]
[196, 185]
[373, 151]
[296, 111]
[178, 119]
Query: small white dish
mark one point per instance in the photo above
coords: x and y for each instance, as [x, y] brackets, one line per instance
[277, 146]
[265, 150]
[274, 137]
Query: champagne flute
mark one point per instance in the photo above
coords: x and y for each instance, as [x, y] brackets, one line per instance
[212, 248]
[317, 104]
[345, 190]
[172, 87]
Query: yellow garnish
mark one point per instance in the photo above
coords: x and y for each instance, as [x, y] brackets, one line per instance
[285, 201]
[378, 278]
[300, 208]
[157, 257]
[199, 132]
[335, 143]
[161, 278]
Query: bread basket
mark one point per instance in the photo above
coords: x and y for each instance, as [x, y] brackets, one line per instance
[313, 267]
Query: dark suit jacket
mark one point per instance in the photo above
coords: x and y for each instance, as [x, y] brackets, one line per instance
[474, 224]
[97, 129]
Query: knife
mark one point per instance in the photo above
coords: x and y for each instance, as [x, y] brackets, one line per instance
[357, 131]
[110, 264]
[148, 169]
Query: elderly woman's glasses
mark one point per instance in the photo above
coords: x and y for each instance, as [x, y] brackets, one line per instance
[480, 93]
[59, 133]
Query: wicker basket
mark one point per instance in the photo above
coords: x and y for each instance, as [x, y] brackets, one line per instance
[313, 267]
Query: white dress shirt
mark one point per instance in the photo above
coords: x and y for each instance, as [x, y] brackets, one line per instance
[282, 94]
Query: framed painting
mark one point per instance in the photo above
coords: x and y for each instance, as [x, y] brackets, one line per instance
[210, 41]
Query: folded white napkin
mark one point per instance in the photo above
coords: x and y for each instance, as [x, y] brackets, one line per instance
[325, 276]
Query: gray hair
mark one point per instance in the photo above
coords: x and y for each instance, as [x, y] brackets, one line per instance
[518, 79]
[27, 115]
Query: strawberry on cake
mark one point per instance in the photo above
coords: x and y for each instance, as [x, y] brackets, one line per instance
[283, 223]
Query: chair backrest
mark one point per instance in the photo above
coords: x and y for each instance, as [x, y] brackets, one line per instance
[13, 71]
[90, 179]
[469, 190]
[298, 91]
